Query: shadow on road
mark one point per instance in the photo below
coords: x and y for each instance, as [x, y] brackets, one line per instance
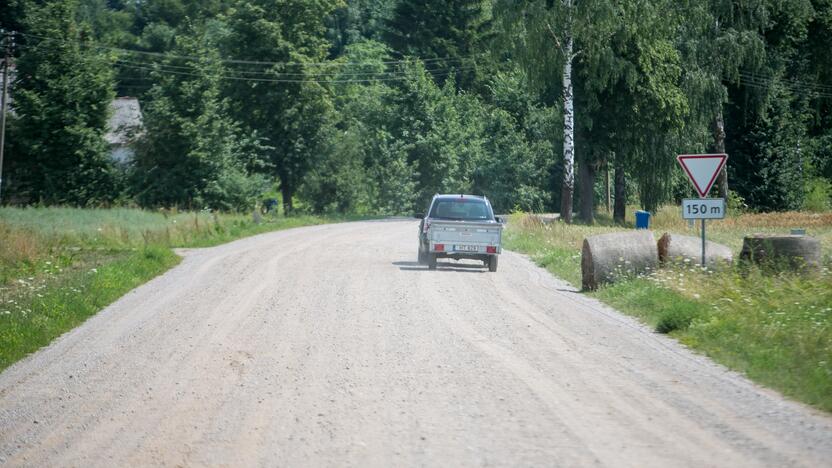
[442, 266]
[390, 219]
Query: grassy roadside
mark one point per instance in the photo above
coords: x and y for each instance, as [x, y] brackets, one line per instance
[42, 311]
[59, 266]
[777, 329]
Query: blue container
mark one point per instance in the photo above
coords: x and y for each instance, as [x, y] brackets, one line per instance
[642, 219]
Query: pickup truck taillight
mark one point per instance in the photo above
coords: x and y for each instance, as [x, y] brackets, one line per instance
[439, 247]
[491, 249]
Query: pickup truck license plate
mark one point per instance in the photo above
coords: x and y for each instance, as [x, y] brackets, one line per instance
[466, 248]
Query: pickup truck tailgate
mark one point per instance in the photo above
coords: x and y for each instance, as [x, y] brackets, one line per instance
[465, 232]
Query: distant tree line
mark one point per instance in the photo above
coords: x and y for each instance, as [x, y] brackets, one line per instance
[372, 106]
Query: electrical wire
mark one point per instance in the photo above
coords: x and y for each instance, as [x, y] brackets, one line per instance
[436, 67]
[266, 80]
[766, 83]
[272, 74]
[789, 82]
[794, 81]
[332, 63]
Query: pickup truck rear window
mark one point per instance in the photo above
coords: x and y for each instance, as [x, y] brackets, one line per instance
[461, 209]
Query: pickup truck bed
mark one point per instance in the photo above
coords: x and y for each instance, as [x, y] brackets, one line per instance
[464, 237]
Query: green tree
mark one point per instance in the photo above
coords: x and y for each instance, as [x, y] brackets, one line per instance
[62, 92]
[170, 12]
[546, 37]
[719, 41]
[446, 34]
[11, 14]
[442, 130]
[773, 110]
[365, 168]
[512, 169]
[356, 21]
[194, 155]
[286, 39]
[109, 25]
[640, 99]
[818, 57]
[458, 143]
[516, 171]
[617, 63]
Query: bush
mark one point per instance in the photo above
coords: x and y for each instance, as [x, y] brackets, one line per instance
[675, 318]
[736, 203]
[818, 195]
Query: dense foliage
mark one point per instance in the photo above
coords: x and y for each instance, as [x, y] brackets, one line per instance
[64, 88]
[372, 106]
[194, 154]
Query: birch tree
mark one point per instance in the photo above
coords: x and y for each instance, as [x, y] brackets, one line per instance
[546, 38]
[568, 185]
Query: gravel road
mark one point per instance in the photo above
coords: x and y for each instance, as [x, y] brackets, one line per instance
[329, 346]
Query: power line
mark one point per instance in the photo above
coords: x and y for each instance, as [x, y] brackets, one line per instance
[267, 80]
[765, 84]
[332, 63]
[272, 74]
[436, 67]
[792, 85]
[787, 80]
[768, 83]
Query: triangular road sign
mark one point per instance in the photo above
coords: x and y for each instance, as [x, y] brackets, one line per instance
[702, 169]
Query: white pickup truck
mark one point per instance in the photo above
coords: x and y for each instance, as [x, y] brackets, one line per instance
[460, 227]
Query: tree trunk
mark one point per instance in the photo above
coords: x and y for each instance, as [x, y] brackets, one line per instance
[620, 207]
[568, 186]
[719, 147]
[587, 185]
[287, 193]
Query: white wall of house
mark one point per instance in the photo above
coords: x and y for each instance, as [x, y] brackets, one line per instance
[125, 127]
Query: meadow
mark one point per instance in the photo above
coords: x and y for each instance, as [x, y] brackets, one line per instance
[59, 266]
[774, 328]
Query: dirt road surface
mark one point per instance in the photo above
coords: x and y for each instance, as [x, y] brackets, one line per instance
[329, 346]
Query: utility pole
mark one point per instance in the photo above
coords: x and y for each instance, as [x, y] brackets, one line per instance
[7, 38]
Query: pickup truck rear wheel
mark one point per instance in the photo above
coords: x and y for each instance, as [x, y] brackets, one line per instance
[423, 258]
[431, 261]
[492, 263]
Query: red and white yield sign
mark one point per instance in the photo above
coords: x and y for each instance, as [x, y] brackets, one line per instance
[702, 169]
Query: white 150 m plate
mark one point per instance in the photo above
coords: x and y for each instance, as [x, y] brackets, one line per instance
[703, 208]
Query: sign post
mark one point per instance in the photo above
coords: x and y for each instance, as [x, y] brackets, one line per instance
[704, 262]
[702, 170]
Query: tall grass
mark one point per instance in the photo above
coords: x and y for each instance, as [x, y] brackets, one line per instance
[38, 311]
[58, 266]
[32, 236]
[776, 328]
